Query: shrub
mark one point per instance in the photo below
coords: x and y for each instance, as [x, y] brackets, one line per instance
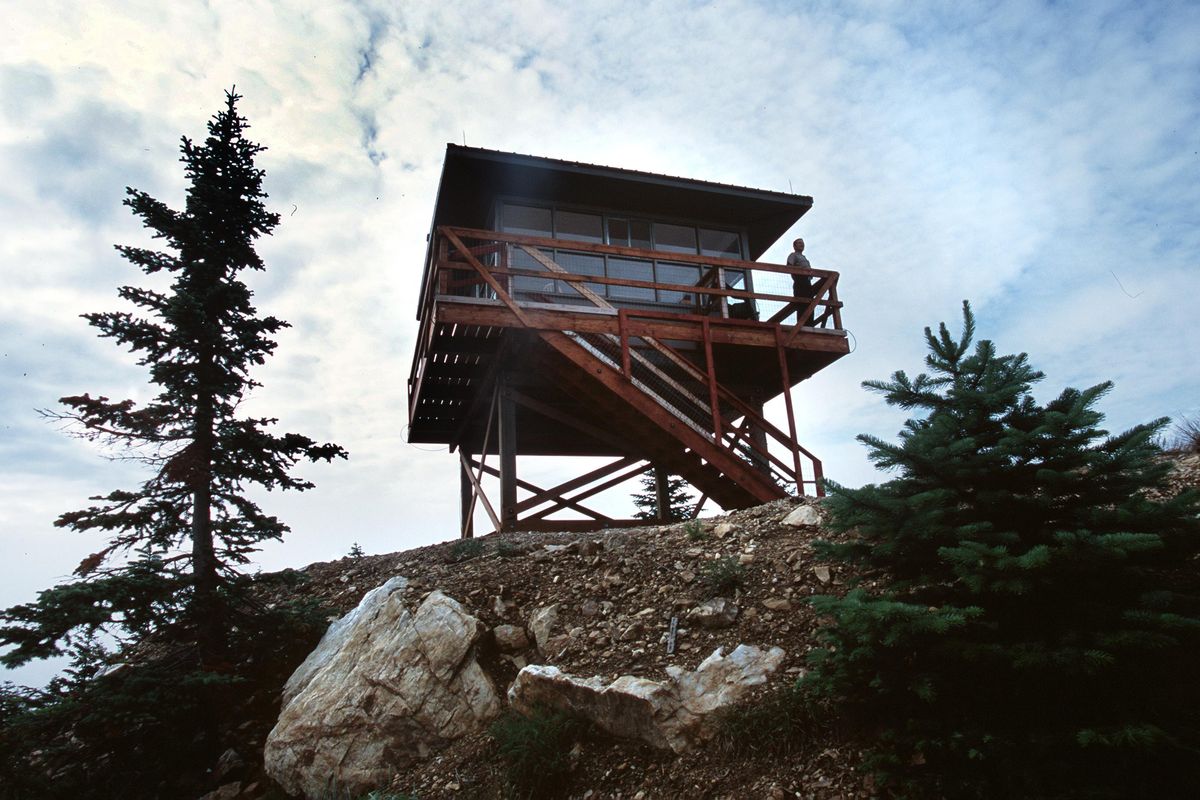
[1185, 436]
[509, 549]
[695, 531]
[536, 750]
[465, 549]
[778, 724]
[723, 576]
[1034, 629]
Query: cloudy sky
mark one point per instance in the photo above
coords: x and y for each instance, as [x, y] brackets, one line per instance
[1042, 160]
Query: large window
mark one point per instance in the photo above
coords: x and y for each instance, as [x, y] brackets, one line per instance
[527, 221]
[721, 244]
[674, 238]
[628, 269]
[578, 227]
[579, 264]
[684, 274]
[621, 231]
[629, 232]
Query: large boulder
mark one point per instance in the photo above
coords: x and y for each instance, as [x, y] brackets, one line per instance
[385, 687]
[803, 516]
[669, 715]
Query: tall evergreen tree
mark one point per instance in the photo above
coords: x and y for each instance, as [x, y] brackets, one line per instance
[1031, 622]
[191, 524]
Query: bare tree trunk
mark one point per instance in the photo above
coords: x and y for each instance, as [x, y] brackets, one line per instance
[205, 611]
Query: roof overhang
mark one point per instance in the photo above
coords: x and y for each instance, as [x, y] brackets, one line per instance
[472, 178]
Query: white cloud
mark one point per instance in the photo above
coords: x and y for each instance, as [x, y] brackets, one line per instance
[1020, 155]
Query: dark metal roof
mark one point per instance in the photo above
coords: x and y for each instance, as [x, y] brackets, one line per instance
[473, 177]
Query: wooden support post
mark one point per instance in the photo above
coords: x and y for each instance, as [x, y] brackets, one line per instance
[662, 495]
[467, 499]
[506, 420]
[758, 438]
[787, 400]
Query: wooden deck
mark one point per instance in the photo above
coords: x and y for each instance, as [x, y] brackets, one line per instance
[518, 355]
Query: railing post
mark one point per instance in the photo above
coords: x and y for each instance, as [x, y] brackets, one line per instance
[622, 329]
[505, 262]
[711, 370]
[724, 300]
[442, 278]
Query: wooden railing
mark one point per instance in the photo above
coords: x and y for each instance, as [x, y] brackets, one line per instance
[525, 272]
[731, 421]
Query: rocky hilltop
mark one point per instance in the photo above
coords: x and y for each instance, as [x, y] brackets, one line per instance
[646, 633]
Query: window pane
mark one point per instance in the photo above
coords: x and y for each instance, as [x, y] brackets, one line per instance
[527, 220]
[578, 227]
[529, 288]
[722, 244]
[674, 238]
[618, 232]
[579, 264]
[639, 234]
[629, 233]
[630, 269]
[686, 274]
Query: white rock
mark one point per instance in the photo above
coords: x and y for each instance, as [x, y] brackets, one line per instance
[510, 638]
[803, 517]
[336, 635]
[398, 686]
[669, 715]
[541, 625]
[719, 612]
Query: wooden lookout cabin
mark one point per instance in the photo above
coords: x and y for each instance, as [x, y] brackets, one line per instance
[570, 309]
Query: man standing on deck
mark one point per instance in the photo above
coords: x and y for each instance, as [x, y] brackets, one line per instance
[803, 286]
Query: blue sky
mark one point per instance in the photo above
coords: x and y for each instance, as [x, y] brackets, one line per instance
[1042, 160]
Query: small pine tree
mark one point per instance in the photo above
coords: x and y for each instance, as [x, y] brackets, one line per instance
[679, 499]
[1036, 623]
[191, 524]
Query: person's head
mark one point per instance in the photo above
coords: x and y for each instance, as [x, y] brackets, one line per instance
[798, 245]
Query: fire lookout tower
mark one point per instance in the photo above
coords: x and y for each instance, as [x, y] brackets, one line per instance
[570, 309]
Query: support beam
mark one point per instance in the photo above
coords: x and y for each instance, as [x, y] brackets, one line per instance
[662, 495]
[546, 410]
[506, 411]
[575, 483]
[487, 506]
[541, 495]
[608, 484]
[466, 498]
